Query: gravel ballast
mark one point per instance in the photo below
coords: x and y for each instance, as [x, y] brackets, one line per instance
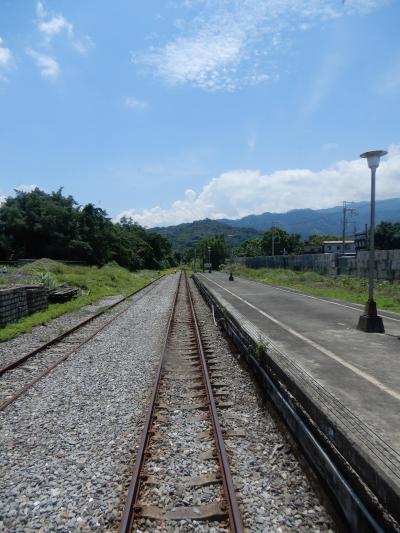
[14, 348]
[68, 444]
[273, 492]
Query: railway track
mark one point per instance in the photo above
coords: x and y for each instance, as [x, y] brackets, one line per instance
[22, 373]
[181, 474]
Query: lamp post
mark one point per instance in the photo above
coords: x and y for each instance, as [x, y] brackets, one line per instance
[209, 259]
[370, 321]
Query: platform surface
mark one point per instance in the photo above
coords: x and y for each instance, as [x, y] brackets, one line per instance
[361, 370]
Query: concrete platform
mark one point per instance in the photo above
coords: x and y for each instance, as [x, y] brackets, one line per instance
[352, 377]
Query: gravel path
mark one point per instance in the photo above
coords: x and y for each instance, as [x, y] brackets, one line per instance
[273, 492]
[68, 445]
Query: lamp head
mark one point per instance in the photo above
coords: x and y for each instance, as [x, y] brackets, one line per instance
[373, 158]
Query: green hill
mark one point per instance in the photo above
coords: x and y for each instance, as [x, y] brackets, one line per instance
[320, 221]
[187, 235]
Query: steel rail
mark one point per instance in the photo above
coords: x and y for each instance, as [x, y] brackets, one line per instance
[235, 519]
[128, 514]
[58, 361]
[59, 338]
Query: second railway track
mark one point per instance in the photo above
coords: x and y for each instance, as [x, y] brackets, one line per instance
[24, 371]
[182, 475]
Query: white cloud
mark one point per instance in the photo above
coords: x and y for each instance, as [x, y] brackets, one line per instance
[52, 24]
[83, 46]
[135, 103]
[6, 59]
[226, 44]
[40, 9]
[48, 66]
[238, 193]
[5, 55]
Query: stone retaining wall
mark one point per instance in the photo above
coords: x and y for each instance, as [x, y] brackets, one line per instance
[387, 263]
[37, 298]
[17, 302]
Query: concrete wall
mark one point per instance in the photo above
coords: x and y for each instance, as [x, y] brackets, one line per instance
[387, 263]
[322, 263]
[17, 302]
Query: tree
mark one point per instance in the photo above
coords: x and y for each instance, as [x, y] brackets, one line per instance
[387, 236]
[37, 224]
[283, 242]
[319, 239]
[250, 248]
[218, 249]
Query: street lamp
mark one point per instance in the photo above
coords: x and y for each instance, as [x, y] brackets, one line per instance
[209, 259]
[370, 321]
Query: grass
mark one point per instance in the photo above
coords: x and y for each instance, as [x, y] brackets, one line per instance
[345, 288]
[95, 283]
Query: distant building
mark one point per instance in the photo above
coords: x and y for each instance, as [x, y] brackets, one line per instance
[312, 248]
[361, 241]
[330, 247]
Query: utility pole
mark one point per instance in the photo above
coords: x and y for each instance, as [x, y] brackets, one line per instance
[231, 251]
[273, 239]
[350, 211]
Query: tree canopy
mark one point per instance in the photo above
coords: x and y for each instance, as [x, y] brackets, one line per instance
[284, 242]
[387, 236]
[38, 224]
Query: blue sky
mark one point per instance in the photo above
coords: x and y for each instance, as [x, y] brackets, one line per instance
[176, 110]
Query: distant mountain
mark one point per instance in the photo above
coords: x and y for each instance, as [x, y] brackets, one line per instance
[304, 221]
[187, 235]
[320, 221]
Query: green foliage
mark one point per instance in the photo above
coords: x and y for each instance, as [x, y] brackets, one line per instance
[251, 248]
[317, 240]
[37, 224]
[186, 236]
[48, 279]
[387, 236]
[96, 283]
[260, 350]
[284, 242]
[218, 251]
[349, 289]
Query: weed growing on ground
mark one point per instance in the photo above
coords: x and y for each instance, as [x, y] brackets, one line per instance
[95, 283]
